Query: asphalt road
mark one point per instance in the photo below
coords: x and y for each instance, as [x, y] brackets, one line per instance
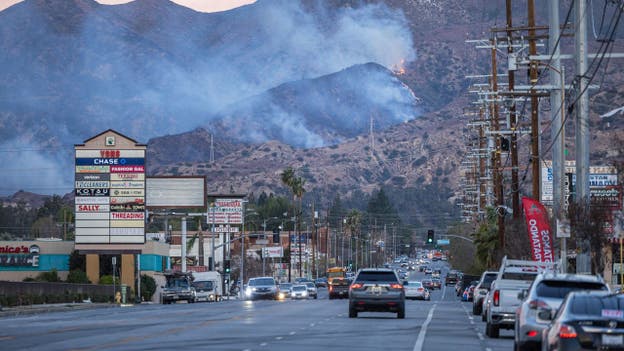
[442, 324]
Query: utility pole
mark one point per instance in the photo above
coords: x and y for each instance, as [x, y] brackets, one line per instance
[583, 264]
[515, 183]
[535, 140]
[496, 159]
[557, 131]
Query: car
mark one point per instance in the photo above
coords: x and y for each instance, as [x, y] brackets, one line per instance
[285, 290]
[481, 290]
[547, 291]
[321, 282]
[376, 290]
[415, 290]
[451, 278]
[428, 284]
[312, 291]
[262, 288]
[437, 283]
[586, 320]
[428, 270]
[299, 291]
[339, 288]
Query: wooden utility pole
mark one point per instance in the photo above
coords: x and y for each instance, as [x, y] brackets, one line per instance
[515, 183]
[535, 160]
[496, 159]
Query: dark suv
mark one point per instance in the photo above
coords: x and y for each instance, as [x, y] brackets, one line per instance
[376, 290]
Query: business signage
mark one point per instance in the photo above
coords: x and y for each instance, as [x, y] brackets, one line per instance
[92, 169]
[92, 184]
[92, 192]
[225, 211]
[92, 176]
[81, 200]
[110, 190]
[93, 208]
[127, 184]
[127, 169]
[176, 192]
[109, 162]
[128, 192]
[127, 176]
[599, 177]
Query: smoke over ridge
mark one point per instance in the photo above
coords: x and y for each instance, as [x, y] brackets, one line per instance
[151, 68]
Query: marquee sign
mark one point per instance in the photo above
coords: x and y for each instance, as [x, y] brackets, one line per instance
[110, 190]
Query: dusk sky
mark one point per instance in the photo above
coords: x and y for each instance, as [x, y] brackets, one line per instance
[197, 5]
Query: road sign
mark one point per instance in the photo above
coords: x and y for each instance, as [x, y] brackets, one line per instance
[225, 229]
[443, 242]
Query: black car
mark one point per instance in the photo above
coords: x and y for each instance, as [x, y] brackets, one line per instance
[376, 290]
[339, 288]
[586, 320]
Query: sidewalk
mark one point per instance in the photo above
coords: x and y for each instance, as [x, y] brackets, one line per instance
[45, 308]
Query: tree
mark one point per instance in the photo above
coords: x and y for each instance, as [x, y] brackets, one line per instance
[486, 240]
[587, 224]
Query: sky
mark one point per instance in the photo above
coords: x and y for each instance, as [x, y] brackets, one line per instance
[197, 5]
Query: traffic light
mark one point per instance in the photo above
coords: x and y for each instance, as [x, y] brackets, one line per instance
[430, 236]
[226, 266]
[504, 144]
[276, 236]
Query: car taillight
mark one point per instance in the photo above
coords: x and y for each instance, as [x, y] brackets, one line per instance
[356, 286]
[567, 332]
[534, 304]
[420, 289]
[396, 286]
[496, 297]
[331, 288]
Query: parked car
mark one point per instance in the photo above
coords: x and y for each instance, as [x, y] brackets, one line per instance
[339, 288]
[262, 288]
[547, 292]
[586, 320]
[468, 294]
[376, 290]
[415, 290]
[299, 291]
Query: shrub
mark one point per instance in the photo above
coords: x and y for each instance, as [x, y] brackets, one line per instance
[51, 276]
[148, 287]
[78, 276]
[108, 279]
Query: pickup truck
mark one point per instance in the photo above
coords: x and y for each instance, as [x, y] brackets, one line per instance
[513, 278]
[178, 288]
[339, 288]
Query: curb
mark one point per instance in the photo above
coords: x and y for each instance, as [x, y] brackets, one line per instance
[37, 309]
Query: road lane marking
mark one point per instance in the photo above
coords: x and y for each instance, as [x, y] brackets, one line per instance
[279, 337]
[480, 336]
[263, 344]
[423, 330]
[292, 333]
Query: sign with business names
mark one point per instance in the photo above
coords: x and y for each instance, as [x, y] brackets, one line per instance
[110, 190]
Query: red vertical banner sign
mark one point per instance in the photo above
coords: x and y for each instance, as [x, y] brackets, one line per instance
[538, 227]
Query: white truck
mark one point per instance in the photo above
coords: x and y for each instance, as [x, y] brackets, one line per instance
[514, 277]
[207, 286]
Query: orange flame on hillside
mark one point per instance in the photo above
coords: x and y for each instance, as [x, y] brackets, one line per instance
[399, 68]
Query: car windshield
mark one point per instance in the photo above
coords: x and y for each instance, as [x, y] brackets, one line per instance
[285, 286]
[519, 276]
[559, 289]
[487, 281]
[299, 288]
[598, 305]
[377, 277]
[414, 284]
[310, 285]
[340, 281]
[262, 281]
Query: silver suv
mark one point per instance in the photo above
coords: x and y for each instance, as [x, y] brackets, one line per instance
[547, 292]
[376, 290]
[262, 288]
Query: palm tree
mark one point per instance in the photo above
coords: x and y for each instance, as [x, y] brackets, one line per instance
[353, 222]
[296, 186]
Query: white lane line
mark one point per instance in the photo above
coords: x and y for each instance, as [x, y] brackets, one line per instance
[263, 344]
[292, 333]
[423, 330]
[480, 336]
[488, 349]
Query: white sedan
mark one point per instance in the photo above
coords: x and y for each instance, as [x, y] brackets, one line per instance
[416, 291]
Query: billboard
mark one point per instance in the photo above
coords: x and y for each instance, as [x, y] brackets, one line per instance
[175, 192]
